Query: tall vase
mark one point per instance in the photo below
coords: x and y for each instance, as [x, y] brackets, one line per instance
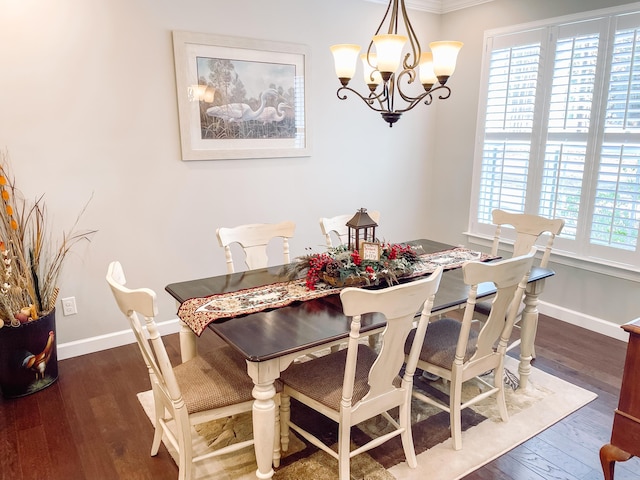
[28, 357]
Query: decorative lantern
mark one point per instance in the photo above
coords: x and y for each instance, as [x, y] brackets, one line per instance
[361, 228]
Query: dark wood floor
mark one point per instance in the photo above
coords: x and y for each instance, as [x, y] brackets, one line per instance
[89, 424]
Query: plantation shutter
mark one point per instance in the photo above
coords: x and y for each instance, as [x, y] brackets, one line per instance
[513, 67]
[616, 214]
[570, 125]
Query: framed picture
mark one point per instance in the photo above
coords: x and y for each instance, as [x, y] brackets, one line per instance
[370, 251]
[241, 98]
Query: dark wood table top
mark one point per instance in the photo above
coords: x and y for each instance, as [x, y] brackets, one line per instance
[270, 334]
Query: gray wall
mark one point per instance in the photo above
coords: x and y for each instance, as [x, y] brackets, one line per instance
[88, 107]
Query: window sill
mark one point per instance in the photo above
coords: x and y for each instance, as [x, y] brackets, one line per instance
[618, 270]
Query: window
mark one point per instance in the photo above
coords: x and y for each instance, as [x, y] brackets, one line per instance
[559, 132]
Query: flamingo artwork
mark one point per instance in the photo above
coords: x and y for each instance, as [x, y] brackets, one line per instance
[240, 112]
[273, 114]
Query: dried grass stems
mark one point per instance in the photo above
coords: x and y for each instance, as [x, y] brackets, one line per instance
[31, 260]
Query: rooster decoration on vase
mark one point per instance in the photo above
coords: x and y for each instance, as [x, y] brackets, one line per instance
[38, 363]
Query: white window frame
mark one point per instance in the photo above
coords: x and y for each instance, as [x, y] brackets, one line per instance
[579, 252]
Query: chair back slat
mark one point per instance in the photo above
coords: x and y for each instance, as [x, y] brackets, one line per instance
[529, 228]
[254, 240]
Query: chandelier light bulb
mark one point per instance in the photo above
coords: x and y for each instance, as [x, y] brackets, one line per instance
[345, 57]
[445, 54]
[370, 73]
[389, 52]
[427, 76]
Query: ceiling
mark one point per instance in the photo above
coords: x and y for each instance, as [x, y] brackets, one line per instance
[437, 6]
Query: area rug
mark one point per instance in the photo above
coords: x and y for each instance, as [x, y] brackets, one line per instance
[546, 401]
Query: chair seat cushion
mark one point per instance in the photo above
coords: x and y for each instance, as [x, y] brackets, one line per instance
[321, 379]
[215, 379]
[440, 341]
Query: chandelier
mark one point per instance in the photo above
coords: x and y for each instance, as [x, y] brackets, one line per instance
[433, 69]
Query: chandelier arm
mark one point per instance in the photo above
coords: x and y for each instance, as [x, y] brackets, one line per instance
[442, 87]
[386, 14]
[369, 101]
[411, 73]
[369, 58]
[393, 21]
[413, 101]
[388, 91]
[381, 98]
[413, 40]
[427, 96]
[408, 98]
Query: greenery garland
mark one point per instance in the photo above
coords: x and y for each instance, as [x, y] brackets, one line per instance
[341, 266]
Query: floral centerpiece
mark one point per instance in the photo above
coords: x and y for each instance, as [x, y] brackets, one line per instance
[340, 266]
[30, 262]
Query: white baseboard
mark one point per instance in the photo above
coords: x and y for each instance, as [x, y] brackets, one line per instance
[111, 340]
[588, 322]
[125, 337]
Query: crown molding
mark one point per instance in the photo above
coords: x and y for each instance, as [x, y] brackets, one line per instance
[437, 6]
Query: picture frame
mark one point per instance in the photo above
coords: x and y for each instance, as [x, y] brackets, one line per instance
[241, 98]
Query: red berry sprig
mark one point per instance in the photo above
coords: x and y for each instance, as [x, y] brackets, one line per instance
[355, 256]
[316, 265]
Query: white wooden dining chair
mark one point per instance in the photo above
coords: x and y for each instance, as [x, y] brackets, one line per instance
[454, 351]
[528, 229]
[254, 240]
[208, 387]
[335, 229]
[355, 384]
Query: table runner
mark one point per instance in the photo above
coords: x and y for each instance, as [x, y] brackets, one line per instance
[199, 312]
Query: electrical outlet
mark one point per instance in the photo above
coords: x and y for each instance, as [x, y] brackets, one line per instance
[69, 306]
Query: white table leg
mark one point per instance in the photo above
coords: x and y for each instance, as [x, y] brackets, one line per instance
[188, 347]
[529, 326]
[264, 416]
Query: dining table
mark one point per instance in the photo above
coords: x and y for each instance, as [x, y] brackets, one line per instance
[299, 322]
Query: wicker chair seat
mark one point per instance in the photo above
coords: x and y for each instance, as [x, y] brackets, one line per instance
[311, 379]
[439, 347]
[206, 387]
